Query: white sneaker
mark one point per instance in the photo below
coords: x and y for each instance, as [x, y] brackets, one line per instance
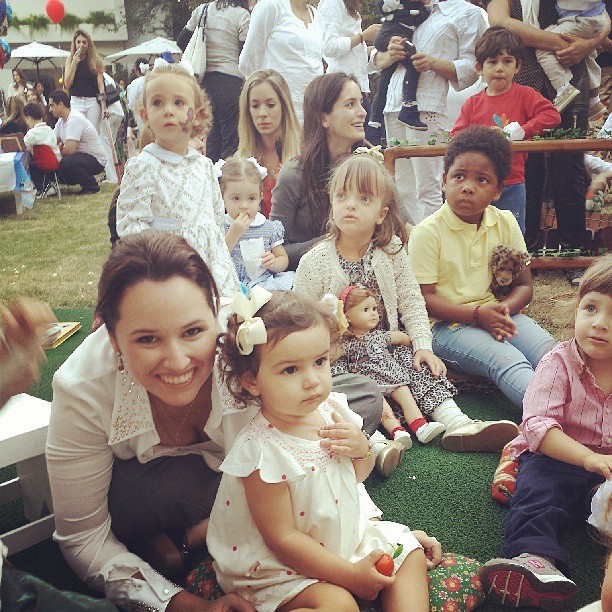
[426, 433]
[565, 98]
[479, 436]
[403, 437]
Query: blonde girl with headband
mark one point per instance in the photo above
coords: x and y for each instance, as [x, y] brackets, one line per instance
[370, 352]
[365, 246]
[169, 186]
[83, 78]
[255, 243]
[290, 480]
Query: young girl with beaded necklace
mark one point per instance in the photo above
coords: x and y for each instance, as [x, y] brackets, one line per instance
[365, 247]
[290, 479]
[170, 186]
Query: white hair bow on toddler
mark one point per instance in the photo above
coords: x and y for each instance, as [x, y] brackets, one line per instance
[183, 66]
[263, 171]
[252, 330]
[218, 168]
[374, 152]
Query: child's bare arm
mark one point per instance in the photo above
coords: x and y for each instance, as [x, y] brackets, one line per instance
[279, 260]
[271, 507]
[521, 293]
[398, 337]
[560, 446]
[493, 317]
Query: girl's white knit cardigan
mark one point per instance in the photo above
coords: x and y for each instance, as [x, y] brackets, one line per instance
[319, 272]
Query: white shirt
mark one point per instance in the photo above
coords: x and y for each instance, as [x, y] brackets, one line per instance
[338, 27]
[78, 127]
[450, 33]
[277, 39]
[225, 29]
[166, 191]
[98, 414]
[42, 134]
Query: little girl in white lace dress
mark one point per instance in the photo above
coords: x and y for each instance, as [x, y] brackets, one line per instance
[169, 186]
[287, 528]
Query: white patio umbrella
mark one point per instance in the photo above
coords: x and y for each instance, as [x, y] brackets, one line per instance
[156, 46]
[36, 53]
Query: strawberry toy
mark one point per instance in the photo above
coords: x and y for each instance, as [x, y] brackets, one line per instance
[385, 564]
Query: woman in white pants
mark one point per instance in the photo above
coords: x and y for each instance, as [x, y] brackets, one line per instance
[83, 78]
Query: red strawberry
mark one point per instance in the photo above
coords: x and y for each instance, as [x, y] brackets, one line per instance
[385, 565]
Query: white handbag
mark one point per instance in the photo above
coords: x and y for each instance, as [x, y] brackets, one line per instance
[195, 53]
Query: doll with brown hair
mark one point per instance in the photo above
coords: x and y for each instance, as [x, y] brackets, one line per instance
[371, 352]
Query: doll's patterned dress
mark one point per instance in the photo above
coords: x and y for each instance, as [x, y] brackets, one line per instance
[326, 507]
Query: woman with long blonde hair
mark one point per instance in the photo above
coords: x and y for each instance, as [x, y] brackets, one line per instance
[83, 78]
[268, 128]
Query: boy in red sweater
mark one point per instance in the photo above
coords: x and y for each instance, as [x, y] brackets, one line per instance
[519, 111]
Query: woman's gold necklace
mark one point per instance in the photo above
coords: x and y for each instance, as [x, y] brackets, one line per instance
[167, 422]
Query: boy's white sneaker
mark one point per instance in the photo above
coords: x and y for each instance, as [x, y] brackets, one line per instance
[565, 97]
[426, 433]
[403, 437]
[527, 580]
[479, 436]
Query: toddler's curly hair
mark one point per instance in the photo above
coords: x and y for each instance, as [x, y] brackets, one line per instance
[286, 312]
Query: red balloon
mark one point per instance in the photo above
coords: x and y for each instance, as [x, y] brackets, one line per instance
[55, 10]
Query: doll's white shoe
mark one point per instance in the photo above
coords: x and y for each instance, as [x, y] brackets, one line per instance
[403, 437]
[427, 432]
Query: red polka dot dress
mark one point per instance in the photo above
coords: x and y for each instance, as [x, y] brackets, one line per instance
[326, 507]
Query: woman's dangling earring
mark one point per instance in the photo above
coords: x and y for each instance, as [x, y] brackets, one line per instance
[120, 363]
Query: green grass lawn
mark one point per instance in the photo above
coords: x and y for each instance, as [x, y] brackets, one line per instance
[55, 252]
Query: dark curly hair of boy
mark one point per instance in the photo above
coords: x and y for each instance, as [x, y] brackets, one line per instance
[487, 141]
[285, 313]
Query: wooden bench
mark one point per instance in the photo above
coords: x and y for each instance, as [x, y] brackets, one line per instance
[23, 434]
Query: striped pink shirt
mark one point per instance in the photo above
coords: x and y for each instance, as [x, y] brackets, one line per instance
[563, 394]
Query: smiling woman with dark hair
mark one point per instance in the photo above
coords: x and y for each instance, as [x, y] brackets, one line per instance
[333, 125]
[137, 432]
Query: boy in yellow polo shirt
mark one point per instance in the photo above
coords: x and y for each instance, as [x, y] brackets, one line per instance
[450, 254]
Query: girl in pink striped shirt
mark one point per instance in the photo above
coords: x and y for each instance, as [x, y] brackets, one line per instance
[564, 450]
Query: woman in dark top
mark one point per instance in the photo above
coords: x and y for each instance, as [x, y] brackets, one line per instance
[14, 121]
[83, 78]
[333, 126]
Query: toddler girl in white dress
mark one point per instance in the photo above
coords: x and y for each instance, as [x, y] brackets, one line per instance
[287, 529]
[169, 186]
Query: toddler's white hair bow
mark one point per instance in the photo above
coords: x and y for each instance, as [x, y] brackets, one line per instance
[183, 66]
[374, 152]
[252, 330]
[263, 171]
[218, 168]
[144, 67]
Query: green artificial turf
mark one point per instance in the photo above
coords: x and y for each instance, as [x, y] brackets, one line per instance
[445, 494]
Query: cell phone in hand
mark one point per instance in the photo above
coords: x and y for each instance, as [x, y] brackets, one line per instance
[409, 48]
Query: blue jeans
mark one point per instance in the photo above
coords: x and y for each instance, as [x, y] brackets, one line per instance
[513, 198]
[510, 364]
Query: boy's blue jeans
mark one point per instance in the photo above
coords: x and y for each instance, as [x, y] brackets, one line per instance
[550, 496]
[510, 364]
[513, 198]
